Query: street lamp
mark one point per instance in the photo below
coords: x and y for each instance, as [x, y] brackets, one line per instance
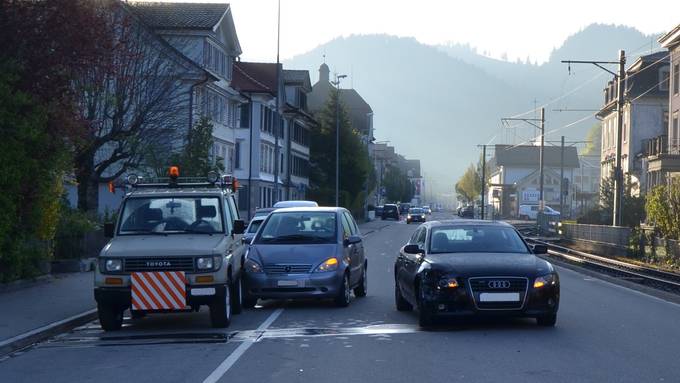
[337, 137]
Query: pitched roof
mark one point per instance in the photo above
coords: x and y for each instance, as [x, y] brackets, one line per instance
[354, 101]
[298, 76]
[180, 15]
[254, 77]
[528, 156]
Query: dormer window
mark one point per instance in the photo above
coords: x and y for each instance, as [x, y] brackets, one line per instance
[216, 60]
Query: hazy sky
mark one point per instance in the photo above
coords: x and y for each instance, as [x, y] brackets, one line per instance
[520, 28]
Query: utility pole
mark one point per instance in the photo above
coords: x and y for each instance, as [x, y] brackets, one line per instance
[541, 203]
[483, 177]
[620, 78]
[279, 121]
[562, 177]
[541, 127]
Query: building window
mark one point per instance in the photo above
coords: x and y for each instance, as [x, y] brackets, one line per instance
[237, 155]
[664, 79]
[216, 60]
[244, 109]
[675, 137]
[267, 158]
[300, 135]
[676, 78]
[299, 166]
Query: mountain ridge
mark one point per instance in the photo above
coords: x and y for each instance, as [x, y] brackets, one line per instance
[438, 104]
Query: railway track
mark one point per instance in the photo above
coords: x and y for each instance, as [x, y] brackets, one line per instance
[648, 276]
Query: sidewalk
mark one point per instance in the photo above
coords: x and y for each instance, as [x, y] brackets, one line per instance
[61, 296]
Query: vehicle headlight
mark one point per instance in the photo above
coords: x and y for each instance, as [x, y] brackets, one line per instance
[113, 265]
[252, 267]
[409, 216]
[448, 283]
[331, 264]
[205, 263]
[422, 216]
[545, 280]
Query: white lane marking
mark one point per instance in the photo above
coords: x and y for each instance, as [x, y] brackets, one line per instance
[45, 328]
[240, 350]
[638, 292]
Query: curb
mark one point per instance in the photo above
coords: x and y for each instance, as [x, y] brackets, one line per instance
[656, 293]
[25, 283]
[26, 339]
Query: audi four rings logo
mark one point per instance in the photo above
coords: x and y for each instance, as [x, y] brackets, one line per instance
[158, 264]
[499, 284]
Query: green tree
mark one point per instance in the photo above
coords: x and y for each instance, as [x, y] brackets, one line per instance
[663, 209]
[398, 188]
[593, 140]
[196, 161]
[355, 166]
[469, 186]
[633, 206]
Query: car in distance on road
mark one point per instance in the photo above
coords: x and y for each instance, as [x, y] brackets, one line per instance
[176, 247]
[251, 230]
[311, 252]
[390, 211]
[474, 268]
[403, 207]
[415, 214]
[467, 211]
[378, 211]
[295, 203]
[427, 210]
[263, 212]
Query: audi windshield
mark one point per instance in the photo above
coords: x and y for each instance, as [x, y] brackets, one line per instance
[476, 239]
[171, 215]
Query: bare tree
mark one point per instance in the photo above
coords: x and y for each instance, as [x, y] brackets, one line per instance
[136, 96]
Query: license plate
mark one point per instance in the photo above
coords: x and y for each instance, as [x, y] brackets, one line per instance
[202, 292]
[289, 283]
[499, 297]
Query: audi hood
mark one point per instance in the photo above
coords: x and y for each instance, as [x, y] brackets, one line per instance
[489, 264]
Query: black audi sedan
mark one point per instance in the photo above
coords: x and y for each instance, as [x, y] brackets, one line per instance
[474, 268]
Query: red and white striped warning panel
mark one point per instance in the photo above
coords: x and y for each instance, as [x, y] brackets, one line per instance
[159, 290]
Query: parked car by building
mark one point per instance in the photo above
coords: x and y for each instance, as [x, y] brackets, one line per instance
[254, 224]
[311, 252]
[378, 211]
[403, 207]
[176, 247]
[427, 209]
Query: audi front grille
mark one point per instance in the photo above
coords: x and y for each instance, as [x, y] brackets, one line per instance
[482, 285]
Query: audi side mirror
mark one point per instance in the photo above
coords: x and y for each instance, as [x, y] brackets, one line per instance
[540, 249]
[109, 228]
[412, 249]
[239, 227]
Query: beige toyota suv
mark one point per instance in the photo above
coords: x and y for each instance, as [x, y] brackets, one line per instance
[175, 247]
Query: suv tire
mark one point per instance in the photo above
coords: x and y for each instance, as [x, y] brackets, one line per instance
[237, 297]
[220, 309]
[110, 317]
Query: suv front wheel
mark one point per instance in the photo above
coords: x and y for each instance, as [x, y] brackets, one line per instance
[220, 309]
[110, 317]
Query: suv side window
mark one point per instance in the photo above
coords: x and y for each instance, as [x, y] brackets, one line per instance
[232, 206]
[228, 215]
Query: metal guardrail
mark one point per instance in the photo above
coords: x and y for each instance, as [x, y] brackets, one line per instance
[646, 275]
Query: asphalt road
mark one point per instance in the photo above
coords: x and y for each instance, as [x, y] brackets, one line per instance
[605, 333]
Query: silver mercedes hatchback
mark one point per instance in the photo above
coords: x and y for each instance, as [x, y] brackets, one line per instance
[306, 252]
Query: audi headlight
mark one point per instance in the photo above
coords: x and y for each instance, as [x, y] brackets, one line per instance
[331, 264]
[113, 265]
[205, 263]
[448, 283]
[252, 267]
[545, 280]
